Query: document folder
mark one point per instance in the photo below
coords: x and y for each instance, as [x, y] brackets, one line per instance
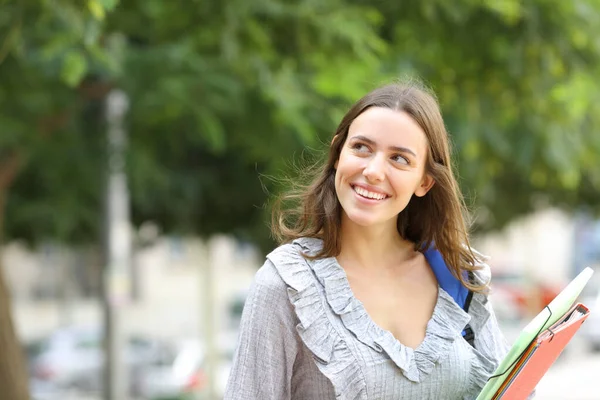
[553, 313]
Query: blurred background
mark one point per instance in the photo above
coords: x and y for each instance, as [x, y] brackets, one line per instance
[141, 143]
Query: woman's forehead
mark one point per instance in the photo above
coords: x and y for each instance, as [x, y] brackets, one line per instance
[388, 127]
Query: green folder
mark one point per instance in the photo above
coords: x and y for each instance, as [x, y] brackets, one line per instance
[548, 316]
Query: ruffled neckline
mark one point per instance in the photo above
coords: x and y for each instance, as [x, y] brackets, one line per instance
[445, 325]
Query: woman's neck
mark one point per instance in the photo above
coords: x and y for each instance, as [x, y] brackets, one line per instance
[372, 247]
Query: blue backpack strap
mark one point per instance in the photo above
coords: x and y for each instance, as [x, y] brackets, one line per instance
[461, 295]
[446, 280]
[468, 333]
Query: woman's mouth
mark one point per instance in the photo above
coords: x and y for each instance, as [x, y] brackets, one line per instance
[369, 195]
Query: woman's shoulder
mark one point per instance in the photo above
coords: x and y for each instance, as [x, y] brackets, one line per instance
[297, 247]
[292, 255]
[286, 265]
[268, 291]
[267, 277]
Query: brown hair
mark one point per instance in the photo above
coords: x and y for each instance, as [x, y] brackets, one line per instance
[437, 218]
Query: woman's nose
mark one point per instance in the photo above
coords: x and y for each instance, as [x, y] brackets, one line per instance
[374, 170]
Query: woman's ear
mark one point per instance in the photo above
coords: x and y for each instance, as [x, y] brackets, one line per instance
[426, 183]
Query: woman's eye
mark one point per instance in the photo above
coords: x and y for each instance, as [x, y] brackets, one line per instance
[400, 159]
[361, 148]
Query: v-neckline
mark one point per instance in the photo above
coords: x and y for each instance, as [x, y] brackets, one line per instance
[383, 331]
[320, 293]
[445, 325]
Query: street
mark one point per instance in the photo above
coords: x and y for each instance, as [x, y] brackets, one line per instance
[574, 376]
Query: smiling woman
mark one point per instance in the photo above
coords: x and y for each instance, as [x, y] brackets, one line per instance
[355, 303]
[383, 160]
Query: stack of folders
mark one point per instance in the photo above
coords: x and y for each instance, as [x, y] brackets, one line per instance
[539, 345]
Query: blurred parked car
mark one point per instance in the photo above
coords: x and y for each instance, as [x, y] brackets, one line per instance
[180, 373]
[515, 288]
[73, 359]
[176, 375]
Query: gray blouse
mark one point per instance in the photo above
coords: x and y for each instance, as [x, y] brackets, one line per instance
[305, 336]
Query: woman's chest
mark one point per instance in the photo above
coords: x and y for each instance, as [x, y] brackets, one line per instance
[450, 377]
[402, 308]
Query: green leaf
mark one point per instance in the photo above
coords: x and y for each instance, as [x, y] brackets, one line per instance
[96, 9]
[212, 130]
[74, 68]
[109, 5]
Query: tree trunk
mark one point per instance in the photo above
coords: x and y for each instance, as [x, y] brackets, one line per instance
[13, 372]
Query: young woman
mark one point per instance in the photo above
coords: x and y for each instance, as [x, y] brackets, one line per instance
[350, 306]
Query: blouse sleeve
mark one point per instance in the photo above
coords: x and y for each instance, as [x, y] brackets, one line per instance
[491, 337]
[268, 343]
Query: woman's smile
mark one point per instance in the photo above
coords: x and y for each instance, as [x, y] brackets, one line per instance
[369, 195]
[381, 166]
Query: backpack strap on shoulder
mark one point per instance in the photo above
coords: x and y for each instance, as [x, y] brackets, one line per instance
[470, 294]
[461, 295]
[468, 333]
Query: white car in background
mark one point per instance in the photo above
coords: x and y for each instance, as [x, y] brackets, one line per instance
[72, 359]
[180, 373]
[177, 374]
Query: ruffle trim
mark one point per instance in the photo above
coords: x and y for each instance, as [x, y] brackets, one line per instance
[331, 353]
[415, 364]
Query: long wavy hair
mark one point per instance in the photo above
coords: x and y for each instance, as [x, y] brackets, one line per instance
[439, 218]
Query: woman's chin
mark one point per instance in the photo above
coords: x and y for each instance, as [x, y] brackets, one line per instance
[364, 221]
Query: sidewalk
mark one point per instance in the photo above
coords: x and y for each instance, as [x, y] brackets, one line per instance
[574, 376]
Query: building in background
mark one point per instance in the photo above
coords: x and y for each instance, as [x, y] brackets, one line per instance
[57, 286]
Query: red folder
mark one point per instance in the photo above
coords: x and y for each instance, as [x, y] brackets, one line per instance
[541, 354]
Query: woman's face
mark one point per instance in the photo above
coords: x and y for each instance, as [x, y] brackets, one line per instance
[381, 166]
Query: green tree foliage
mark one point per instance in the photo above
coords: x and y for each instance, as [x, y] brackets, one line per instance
[224, 91]
[221, 94]
[518, 86]
[46, 49]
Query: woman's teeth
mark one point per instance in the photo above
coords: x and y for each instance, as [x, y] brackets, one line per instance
[369, 195]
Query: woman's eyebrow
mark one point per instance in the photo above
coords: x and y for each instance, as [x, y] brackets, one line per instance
[393, 148]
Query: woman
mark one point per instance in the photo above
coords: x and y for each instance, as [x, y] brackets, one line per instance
[350, 307]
